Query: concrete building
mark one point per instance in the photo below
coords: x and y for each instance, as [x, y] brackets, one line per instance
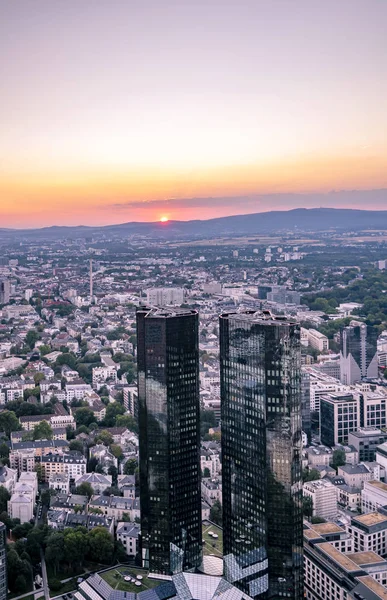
[72, 463]
[165, 296]
[60, 482]
[318, 340]
[98, 482]
[339, 415]
[366, 442]
[8, 478]
[369, 533]
[358, 354]
[355, 475]
[128, 534]
[373, 496]
[21, 506]
[116, 506]
[324, 497]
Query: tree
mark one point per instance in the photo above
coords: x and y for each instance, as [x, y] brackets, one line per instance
[55, 550]
[76, 546]
[307, 506]
[43, 431]
[116, 450]
[310, 475]
[38, 377]
[31, 338]
[85, 489]
[216, 513]
[338, 458]
[39, 472]
[84, 416]
[130, 466]
[206, 472]
[44, 349]
[9, 422]
[127, 421]
[315, 520]
[104, 437]
[4, 497]
[76, 445]
[101, 545]
[112, 411]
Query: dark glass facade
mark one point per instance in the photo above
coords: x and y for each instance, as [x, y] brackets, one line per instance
[3, 562]
[260, 361]
[305, 405]
[169, 422]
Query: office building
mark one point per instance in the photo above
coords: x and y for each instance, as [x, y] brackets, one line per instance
[339, 415]
[261, 453]
[318, 340]
[165, 296]
[3, 562]
[5, 291]
[324, 497]
[366, 442]
[305, 405]
[358, 353]
[169, 439]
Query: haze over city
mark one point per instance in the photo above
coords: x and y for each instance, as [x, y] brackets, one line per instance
[126, 111]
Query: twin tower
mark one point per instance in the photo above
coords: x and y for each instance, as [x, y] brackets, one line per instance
[261, 448]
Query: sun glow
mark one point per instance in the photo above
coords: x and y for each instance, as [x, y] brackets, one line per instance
[164, 219]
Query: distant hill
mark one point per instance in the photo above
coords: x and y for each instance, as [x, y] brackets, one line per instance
[299, 219]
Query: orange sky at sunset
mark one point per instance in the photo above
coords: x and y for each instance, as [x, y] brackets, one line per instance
[114, 112]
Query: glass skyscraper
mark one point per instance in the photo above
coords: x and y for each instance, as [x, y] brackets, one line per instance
[169, 422]
[261, 454]
[3, 562]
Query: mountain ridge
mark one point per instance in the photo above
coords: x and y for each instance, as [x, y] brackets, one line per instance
[301, 219]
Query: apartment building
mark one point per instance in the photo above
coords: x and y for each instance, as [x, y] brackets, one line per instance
[73, 463]
[98, 482]
[128, 534]
[60, 482]
[116, 506]
[355, 475]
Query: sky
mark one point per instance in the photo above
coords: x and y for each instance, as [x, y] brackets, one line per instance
[123, 110]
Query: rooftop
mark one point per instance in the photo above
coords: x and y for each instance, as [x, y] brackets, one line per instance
[366, 558]
[340, 558]
[325, 528]
[369, 582]
[373, 518]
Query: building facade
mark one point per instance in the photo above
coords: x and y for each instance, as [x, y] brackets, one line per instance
[358, 353]
[260, 362]
[169, 424]
[3, 562]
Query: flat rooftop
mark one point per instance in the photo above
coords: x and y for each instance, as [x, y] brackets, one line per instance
[366, 558]
[263, 317]
[378, 484]
[340, 558]
[370, 583]
[325, 528]
[369, 519]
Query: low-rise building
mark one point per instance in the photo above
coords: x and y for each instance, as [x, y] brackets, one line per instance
[366, 441]
[21, 506]
[355, 475]
[8, 478]
[116, 506]
[127, 485]
[369, 532]
[98, 482]
[128, 534]
[60, 482]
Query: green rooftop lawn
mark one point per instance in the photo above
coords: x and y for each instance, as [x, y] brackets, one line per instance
[115, 578]
[212, 546]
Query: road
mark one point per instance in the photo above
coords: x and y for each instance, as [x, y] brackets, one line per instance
[44, 576]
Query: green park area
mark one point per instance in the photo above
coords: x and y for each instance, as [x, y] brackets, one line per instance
[212, 545]
[116, 579]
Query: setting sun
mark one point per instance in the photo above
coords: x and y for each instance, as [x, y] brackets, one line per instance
[164, 219]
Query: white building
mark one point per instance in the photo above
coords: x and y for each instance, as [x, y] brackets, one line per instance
[373, 496]
[324, 497]
[21, 506]
[60, 482]
[165, 296]
[98, 482]
[127, 534]
[8, 478]
[318, 340]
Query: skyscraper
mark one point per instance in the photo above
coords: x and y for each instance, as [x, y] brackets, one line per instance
[261, 454]
[5, 291]
[3, 562]
[169, 421]
[358, 353]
